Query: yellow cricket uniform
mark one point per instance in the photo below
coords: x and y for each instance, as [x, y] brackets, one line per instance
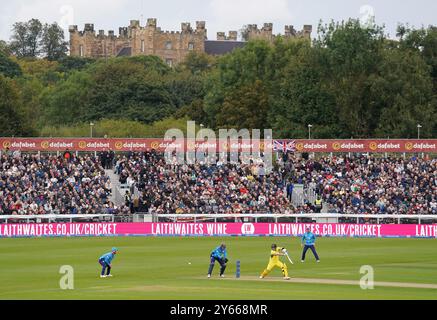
[275, 262]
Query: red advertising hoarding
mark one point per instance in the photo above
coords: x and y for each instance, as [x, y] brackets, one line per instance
[314, 145]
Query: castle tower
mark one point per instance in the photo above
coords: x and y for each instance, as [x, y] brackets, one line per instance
[233, 35]
[221, 36]
[307, 29]
[171, 46]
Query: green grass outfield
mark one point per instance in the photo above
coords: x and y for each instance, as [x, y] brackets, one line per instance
[158, 268]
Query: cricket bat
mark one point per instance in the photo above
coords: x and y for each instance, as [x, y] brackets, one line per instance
[286, 254]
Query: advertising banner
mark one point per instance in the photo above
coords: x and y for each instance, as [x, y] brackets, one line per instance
[185, 145]
[216, 229]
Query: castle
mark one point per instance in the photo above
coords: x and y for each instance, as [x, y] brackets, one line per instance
[171, 46]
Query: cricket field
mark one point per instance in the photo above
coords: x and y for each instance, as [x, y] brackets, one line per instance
[175, 268]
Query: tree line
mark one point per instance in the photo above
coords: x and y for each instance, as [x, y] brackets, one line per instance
[350, 81]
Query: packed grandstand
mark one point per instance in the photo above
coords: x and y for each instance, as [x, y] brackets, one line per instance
[361, 184]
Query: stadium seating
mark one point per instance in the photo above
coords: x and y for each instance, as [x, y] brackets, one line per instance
[358, 184]
[33, 184]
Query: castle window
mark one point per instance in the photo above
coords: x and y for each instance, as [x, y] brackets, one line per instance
[168, 45]
[81, 50]
[169, 62]
[191, 46]
[143, 46]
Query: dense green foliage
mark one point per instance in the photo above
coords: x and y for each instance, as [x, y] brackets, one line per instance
[351, 81]
[33, 39]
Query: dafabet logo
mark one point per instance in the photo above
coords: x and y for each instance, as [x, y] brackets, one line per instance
[373, 145]
[118, 145]
[409, 146]
[336, 146]
[299, 146]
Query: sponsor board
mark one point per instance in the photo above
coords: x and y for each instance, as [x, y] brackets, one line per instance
[184, 145]
[216, 229]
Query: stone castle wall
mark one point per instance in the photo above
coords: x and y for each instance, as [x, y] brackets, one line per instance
[171, 46]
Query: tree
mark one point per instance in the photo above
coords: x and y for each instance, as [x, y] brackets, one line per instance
[423, 41]
[46, 71]
[30, 98]
[4, 48]
[15, 121]
[184, 87]
[35, 32]
[352, 55]
[32, 39]
[130, 89]
[403, 90]
[303, 98]
[194, 111]
[197, 62]
[68, 64]
[8, 67]
[117, 128]
[26, 38]
[53, 45]
[67, 102]
[243, 67]
[245, 107]
[244, 32]
[18, 44]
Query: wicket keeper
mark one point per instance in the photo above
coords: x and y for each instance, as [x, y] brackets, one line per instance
[309, 240]
[220, 255]
[106, 262]
[274, 261]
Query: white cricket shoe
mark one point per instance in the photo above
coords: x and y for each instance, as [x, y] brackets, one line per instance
[109, 275]
[301, 260]
[209, 276]
[102, 276]
[318, 260]
[286, 278]
[222, 276]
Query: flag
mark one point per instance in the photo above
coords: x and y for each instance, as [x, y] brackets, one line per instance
[284, 146]
[278, 145]
[291, 146]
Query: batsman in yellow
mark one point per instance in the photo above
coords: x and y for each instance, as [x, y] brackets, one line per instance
[274, 261]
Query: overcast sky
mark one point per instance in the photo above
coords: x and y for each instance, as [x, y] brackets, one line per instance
[220, 15]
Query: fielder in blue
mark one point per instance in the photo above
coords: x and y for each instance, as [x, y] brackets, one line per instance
[219, 254]
[106, 262]
[308, 239]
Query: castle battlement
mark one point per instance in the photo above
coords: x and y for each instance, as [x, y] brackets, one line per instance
[171, 46]
[135, 26]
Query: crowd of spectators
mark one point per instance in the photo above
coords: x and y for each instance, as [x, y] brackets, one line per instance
[44, 184]
[349, 184]
[202, 188]
[370, 185]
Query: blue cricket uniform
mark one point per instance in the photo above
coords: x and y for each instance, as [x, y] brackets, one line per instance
[107, 257]
[105, 261]
[220, 255]
[309, 239]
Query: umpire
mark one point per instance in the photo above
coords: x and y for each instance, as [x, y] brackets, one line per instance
[309, 239]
